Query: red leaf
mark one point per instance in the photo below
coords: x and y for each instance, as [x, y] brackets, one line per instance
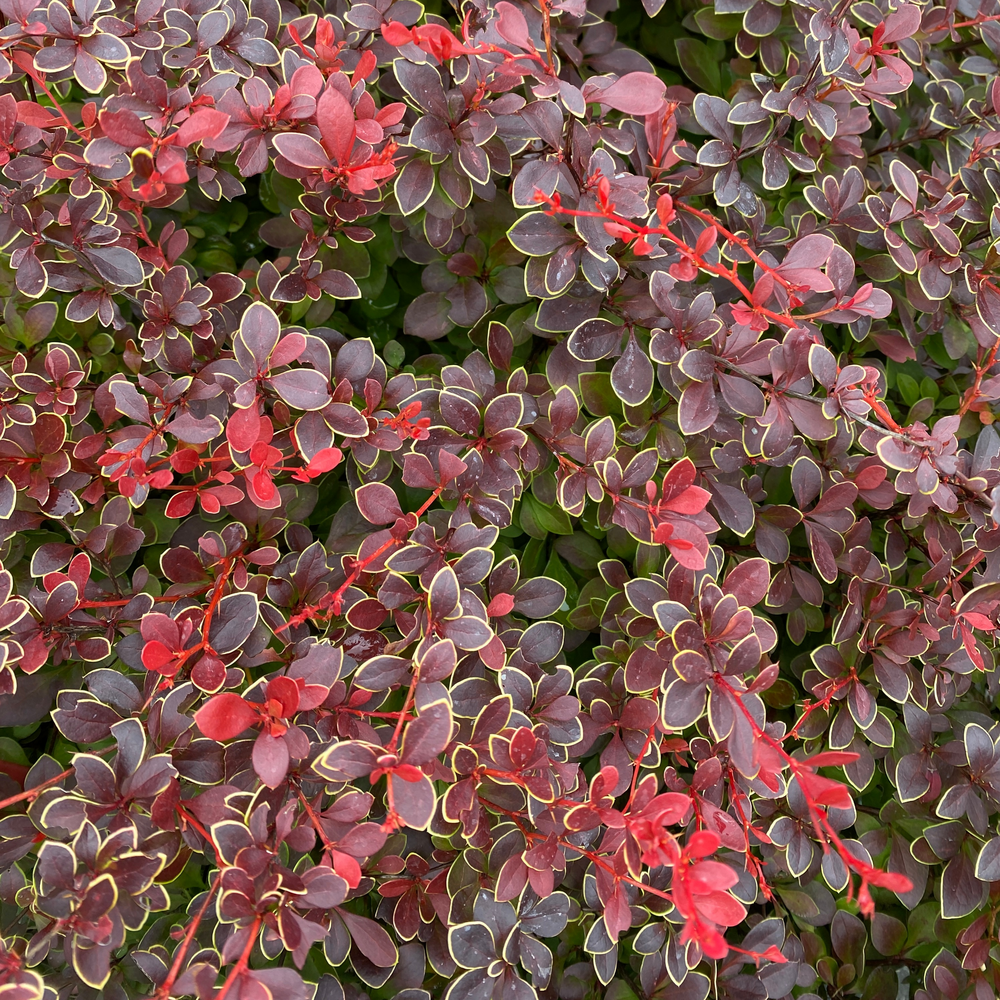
[706, 241]
[870, 478]
[825, 791]
[969, 642]
[617, 913]
[438, 41]
[391, 114]
[208, 123]
[209, 504]
[670, 807]
[181, 504]
[890, 880]
[810, 252]
[270, 759]
[323, 461]
[335, 118]
[721, 908]
[364, 69]
[665, 209]
[31, 113]
[220, 496]
[702, 843]
[832, 758]
[680, 476]
[224, 716]
[451, 466]
[501, 605]
[512, 26]
[285, 693]
[287, 350]
[347, 868]
[397, 34]
[690, 552]
[154, 654]
[184, 460]
[709, 876]
[302, 150]
[243, 428]
[692, 501]
[976, 620]
[263, 485]
[712, 943]
[408, 772]
[636, 93]
[125, 128]
[748, 581]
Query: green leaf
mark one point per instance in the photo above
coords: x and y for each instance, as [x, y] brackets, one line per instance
[619, 990]
[556, 569]
[352, 258]
[928, 387]
[538, 520]
[935, 347]
[598, 395]
[718, 26]
[908, 388]
[881, 984]
[799, 903]
[699, 65]
[11, 751]
[581, 551]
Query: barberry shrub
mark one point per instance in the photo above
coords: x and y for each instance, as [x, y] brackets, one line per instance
[486, 516]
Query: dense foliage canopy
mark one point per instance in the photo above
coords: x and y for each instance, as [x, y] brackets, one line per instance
[488, 515]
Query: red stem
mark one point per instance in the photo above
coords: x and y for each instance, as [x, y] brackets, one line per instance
[332, 602]
[825, 832]
[314, 819]
[33, 793]
[973, 392]
[730, 275]
[163, 993]
[638, 763]
[244, 959]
